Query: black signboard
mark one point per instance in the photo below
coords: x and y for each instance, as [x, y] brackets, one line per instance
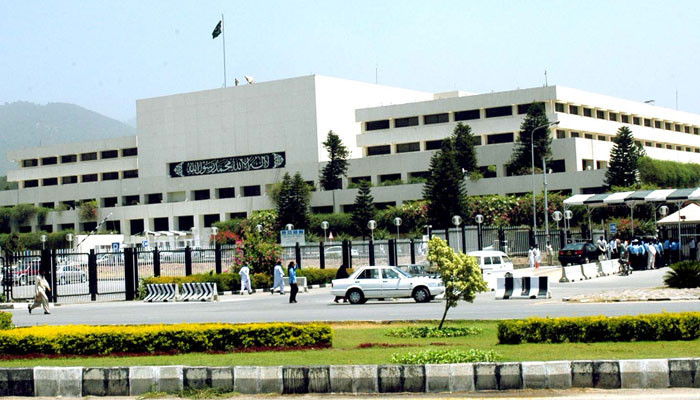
[228, 164]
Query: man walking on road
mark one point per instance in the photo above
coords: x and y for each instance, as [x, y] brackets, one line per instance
[40, 298]
[279, 278]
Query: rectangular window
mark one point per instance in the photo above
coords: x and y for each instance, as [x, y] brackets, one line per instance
[523, 108]
[132, 200]
[49, 204]
[49, 160]
[67, 227]
[557, 166]
[68, 204]
[600, 114]
[678, 128]
[69, 158]
[648, 144]
[575, 134]
[660, 146]
[130, 152]
[46, 228]
[210, 219]
[612, 116]
[378, 150]
[89, 178]
[433, 145]
[250, 191]
[488, 171]
[602, 138]
[88, 156]
[688, 149]
[436, 118]
[467, 115]
[109, 154]
[657, 124]
[201, 194]
[573, 110]
[559, 107]
[668, 126]
[113, 226]
[419, 174]
[495, 112]
[110, 201]
[696, 131]
[130, 174]
[240, 215]
[587, 112]
[679, 148]
[226, 193]
[30, 163]
[686, 129]
[647, 122]
[561, 134]
[404, 122]
[185, 222]
[110, 176]
[407, 147]
[669, 147]
[358, 179]
[499, 138]
[154, 198]
[67, 180]
[389, 177]
[49, 182]
[636, 120]
[625, 119]
[376, 125]
[160, 224]
[588, 136]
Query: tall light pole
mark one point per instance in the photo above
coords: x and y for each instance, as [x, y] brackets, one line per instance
[456, 221]
[532, 156]
[324, 226]
[397, 222]
[372, 225]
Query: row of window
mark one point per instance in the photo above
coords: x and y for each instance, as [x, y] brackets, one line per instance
[562, 134]
[87, 178]
[456, 116]
[626, 118]
[72, 158]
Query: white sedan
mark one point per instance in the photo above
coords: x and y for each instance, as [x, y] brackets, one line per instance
[380, 282]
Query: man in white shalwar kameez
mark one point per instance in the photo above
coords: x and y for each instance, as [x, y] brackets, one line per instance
[279, 278]
[245, 279]
[40, 298]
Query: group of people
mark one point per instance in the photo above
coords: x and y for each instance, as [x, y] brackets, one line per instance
[643, 252]
[278, 282]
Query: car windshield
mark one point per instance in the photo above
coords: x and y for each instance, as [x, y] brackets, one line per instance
[404, 273]
[506, 259]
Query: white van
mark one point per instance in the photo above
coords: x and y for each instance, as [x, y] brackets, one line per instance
[491, 260]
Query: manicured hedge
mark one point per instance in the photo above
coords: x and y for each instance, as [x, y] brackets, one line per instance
[181, 338]
[650, 327]
[5, 320]
[317, 276]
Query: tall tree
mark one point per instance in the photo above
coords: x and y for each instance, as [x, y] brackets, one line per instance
[623, 169]
[444, 189]
[465, 150]
[338, 164]
[292, 198]
[363, 210]
[521, 159]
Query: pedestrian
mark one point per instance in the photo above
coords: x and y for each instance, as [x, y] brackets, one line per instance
[538, 255]
[245, 279]
[341, 274]
[294, 289]
[531, 257]
[612, 252]
[692, 249]
[602, 247]
[550, 253]
[40, 299]
[651, 255]
[279, 278]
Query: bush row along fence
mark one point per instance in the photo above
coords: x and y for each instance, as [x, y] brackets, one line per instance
[93, 276]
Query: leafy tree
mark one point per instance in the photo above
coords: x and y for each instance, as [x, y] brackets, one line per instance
[292, 200]
[463, 141]
[338, 164]
[363, 209]
[624, 160]
[459, 272]
[521, 160]
[444, 190]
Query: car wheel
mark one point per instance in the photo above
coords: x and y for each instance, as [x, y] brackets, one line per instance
[355, 296]
[421, 295]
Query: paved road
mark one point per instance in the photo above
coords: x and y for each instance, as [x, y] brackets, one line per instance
[317, 305]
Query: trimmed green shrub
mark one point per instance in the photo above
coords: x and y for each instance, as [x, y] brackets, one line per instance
[683, 275]
[5, 320]
[317, 276]
[432, 332]
[446, 357]
[650, 327]
[182, 338]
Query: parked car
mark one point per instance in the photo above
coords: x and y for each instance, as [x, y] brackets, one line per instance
[380, 282]
[492, 260]
[578, 253]
[337, 252]
[66, 273]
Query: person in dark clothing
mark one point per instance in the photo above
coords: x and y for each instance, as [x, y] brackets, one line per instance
[341, 274]
[292, 273]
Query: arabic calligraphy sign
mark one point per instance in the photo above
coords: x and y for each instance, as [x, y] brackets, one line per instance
[228, 164]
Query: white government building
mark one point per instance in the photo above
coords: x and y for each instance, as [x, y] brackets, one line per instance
[212, 155]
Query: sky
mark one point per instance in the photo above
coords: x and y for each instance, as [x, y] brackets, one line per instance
[104, 55]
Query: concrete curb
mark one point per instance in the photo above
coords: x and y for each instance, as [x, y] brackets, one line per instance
[432, 378]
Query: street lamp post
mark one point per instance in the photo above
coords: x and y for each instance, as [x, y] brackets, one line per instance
[532, 156]
[69, 238]
[324, 226]
[289, 227]
[479, 220]
[568, 214]
[397, 222]
[456, 221]
[214, 231]
[372, 225]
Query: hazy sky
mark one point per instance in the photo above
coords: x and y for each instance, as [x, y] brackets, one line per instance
[103, 55]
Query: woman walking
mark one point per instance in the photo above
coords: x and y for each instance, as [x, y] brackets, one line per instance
[292, 272]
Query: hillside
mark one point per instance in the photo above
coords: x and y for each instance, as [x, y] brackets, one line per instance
[25, 125]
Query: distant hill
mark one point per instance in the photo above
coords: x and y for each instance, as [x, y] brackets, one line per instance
[24, 124]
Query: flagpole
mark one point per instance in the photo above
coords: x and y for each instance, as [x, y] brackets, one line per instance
[223, 33]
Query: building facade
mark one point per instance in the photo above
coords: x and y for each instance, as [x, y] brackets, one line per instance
[208, 156]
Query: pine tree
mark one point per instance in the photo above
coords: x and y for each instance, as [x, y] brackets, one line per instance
[463, 140]
[521, 160]
[624, 160]
[444, 189]
[338, 164]
[292, 198]
[363, 210]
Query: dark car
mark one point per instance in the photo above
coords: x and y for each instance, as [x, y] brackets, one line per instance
[578, 253]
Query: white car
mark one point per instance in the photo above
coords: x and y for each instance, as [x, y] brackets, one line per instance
[337, 252]
[380, 282]
[492, 261]
[70, 274]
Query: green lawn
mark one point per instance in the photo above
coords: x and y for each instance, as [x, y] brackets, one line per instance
[349, 336]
